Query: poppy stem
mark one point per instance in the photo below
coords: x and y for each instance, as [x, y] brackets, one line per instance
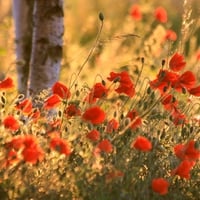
[90, 53]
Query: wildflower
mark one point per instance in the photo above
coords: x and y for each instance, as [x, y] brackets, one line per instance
[187, 151]
[169, 103]
[6, 84]
[93, 135]
[95, 115]
[136, 121]
[170, 35]
[98, 91]
[33, 154]
[142, 143]
[164, 80]
[177, 62]
[51, 102]
[160, 14]
[186, 81]
[183, 169]
[135, 12]
[60, 145]
[72, 110]
[178, 118]
[160, 185]
[11, 158]
[105, 146]
[195, 91]
[35, 114]
[126, 86]
[29, 148]
[11, 123]
[25, 106]
[16, 143]
[61, 90]
[112, 125]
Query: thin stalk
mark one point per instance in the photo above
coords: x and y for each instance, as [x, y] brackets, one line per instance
[89, 54]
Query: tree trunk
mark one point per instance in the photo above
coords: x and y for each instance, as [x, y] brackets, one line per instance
[22, 13]
[47, 42]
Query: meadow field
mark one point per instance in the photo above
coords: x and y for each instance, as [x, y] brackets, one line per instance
[123, 121]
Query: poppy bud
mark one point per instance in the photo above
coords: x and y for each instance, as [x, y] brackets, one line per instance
[101, 16]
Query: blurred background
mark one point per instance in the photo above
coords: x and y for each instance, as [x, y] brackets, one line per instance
[113, 51]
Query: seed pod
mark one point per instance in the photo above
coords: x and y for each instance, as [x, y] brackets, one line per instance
[59, 113]
[197, 145]
[77, 93]
[184, 90]
[191, 129]
[3, 100]
[20, 97]
[152, 95]
[103, 82]
[184, 131]
[101, 16]
[127, 121]
[163, 63]
[148, 90]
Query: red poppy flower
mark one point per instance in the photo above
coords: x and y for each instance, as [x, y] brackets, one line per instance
[170, 35]
[183, 170]
[135, 12]
[112, 125]
[126, 86]
[186, 81]
[6, 84]
[72, 110]
[52, 102]
[187, 151]
[95, 115]
[141, 143]
[160, 185]
[11, 123]
[178, 118]
[105, 146]
[25, 106]
[160, 14]
[169, 103]
[33, 154]
[60, 145]
[177, 62]
[164, 80]
[31, 151]
[35, 114]
[11, 159]
[29, 141]
[16, 143]
[61, 90]
[136, 121]
[98, 91]
[93, 135]
[195, 91]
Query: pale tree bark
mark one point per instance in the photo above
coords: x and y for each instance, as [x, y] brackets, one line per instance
[22, 13]
[47, 42]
